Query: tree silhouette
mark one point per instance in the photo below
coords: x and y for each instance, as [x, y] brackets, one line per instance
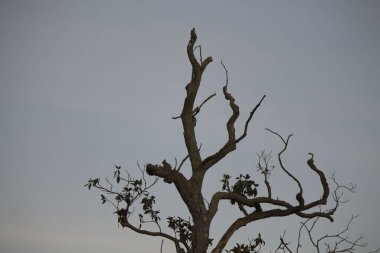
[192, 235]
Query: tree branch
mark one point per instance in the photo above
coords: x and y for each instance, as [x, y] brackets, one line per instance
[333, 243]
[218, 196]
[266, 170]
[230, 145]
[182, 162]
[240, 222]
[190, 50]
[287, 208]
[325, 185]
[125, 223]
[299, 196]
[187, 115]
[198, 108]
[249, 120]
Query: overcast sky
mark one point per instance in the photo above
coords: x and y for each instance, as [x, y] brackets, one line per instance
[85, 85]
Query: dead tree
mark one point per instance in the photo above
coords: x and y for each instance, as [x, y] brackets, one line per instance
[193, 235]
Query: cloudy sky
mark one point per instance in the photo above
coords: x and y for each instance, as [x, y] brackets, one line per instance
[85, 85]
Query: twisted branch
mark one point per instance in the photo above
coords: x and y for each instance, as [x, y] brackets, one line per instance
[230, 145]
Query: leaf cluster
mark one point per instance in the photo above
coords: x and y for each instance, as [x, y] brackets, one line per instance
[244, 186]
[182, 229]
[254, 246]
[92, 183]
[147, 204]
[132, 190]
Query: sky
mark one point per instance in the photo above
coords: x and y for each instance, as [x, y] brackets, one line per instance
[86, 85]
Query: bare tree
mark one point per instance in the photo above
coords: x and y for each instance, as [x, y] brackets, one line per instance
[193, 235]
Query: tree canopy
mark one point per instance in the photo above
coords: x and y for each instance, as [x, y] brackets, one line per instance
[134, 201]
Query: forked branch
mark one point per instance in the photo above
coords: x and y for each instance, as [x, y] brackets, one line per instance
[230, 145]
[299, 196]
[265, 168]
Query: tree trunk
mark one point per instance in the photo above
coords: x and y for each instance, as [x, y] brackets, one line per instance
[201, 234]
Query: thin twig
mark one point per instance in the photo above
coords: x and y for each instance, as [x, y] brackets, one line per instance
[200, 52]
[198, 108]
[182, 162]
[162, 243]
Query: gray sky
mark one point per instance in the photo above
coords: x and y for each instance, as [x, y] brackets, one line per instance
[85, 85]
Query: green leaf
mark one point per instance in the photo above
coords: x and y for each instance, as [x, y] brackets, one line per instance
[103, 198]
